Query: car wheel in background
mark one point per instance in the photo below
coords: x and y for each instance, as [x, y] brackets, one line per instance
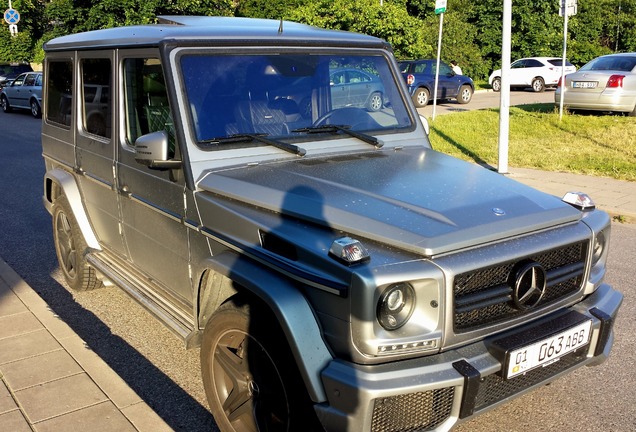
[465, 94]
[421, 97]
[35, 109]
[5, 104]
[496, 84]
[538, 85]
[375, 102]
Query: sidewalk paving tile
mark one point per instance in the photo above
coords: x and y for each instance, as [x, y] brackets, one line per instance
[103, 417]
[108, 381]
[18, 324]
[145, 419]
[14, 421]
[30, 372]
[59, 397]
[10, 304]
[6, 400]
[27, 345]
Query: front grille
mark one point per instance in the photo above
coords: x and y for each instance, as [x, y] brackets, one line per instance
[494, 388]
[412, 412]
[484, 296]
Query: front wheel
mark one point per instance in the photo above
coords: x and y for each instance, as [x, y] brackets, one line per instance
[465, 94]
[496, 84]
[5, 104]
[421, 97]
[375, 102]
[250, 379]
[538, 85]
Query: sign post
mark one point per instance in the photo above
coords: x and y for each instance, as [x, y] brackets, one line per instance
[567, 8]
[440, 8]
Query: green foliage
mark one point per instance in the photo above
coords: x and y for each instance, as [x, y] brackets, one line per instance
[390, 22]
[471, 33]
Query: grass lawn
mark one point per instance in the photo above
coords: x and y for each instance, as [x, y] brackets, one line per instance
[593, 144]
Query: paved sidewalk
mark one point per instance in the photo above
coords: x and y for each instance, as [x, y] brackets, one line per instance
[50, 381]
[616, 197]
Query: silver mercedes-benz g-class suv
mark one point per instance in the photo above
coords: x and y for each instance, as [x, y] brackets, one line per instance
[268, 191]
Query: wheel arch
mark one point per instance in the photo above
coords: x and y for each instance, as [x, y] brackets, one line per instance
[232, 273]
[59, 182]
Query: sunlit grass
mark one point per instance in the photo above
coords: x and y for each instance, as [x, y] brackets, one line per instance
[595, 144]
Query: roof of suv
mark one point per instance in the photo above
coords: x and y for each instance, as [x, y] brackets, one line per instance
[222, 30]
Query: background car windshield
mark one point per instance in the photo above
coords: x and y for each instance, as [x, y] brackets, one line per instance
[611, 63]
[277, 94]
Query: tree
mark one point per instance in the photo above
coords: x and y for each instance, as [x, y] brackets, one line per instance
[390, 22]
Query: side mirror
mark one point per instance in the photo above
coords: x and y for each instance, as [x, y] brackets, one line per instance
[427, 128]
[152, 150]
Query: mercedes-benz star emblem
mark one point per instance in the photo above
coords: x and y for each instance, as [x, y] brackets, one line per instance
[529, 285]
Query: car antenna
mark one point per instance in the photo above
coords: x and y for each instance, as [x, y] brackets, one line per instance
[280, 27]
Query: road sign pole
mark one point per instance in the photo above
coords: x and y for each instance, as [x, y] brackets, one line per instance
[439, 53]
[504, 102]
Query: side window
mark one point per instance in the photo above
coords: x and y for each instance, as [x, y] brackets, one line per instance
[420, 68]
[97, 104]
[30, 80]
[59, 97]
[146, 99]
[445, 69]
[18, 81]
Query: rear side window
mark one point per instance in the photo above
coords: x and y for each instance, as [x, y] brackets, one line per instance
[59, 95]
[558, 62]
[96, 109]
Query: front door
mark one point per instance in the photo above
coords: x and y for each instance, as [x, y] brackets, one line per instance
[152, 200]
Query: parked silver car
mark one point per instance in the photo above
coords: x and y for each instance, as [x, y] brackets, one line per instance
[24, 92]
[607, 83]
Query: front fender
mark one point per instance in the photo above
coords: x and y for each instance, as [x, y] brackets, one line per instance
[290, 307]
[68, 186]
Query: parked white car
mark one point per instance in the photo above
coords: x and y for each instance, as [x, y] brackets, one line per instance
[535, 72]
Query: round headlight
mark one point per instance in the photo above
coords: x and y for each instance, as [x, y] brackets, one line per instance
[599, 247]
[396, 305]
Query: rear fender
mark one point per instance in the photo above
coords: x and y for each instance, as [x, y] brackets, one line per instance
[59, 182]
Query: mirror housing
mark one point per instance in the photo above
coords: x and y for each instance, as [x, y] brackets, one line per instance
[152, 150]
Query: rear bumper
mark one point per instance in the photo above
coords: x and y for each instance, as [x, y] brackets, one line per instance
[608, 100]
[435, 392]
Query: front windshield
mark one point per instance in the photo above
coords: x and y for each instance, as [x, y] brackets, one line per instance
[279, 94]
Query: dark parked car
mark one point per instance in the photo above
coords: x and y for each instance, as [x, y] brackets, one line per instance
[420, 79]
[24, 92]
[9, 71]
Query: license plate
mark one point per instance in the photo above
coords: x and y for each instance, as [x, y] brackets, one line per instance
[548, 350]
[584, 84]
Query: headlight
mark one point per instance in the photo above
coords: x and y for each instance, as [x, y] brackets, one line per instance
[598, 248]
[396, 305]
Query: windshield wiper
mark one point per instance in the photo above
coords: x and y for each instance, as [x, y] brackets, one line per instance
[260, 137]
[344, 129]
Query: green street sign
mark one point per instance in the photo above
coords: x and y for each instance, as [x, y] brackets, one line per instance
[440, 6]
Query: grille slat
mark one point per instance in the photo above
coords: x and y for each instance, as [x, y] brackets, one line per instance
[483, 296]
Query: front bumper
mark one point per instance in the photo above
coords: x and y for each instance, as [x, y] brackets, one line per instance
[435, 392]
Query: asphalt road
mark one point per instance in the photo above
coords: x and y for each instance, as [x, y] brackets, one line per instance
[487, 99]
[155, 364]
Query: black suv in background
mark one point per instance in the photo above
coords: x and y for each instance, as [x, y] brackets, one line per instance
[420, 79]
[9, 71]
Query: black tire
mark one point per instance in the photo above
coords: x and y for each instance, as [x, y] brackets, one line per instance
[36, 111]
[465, 94]
[375, 102]
[421, 97]
[538, 85]
[6, 107]
[633, 113]
[70, 247]
[250, 379]
[496, 84]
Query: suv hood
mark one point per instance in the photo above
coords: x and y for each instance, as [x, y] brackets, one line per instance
[413, 198]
